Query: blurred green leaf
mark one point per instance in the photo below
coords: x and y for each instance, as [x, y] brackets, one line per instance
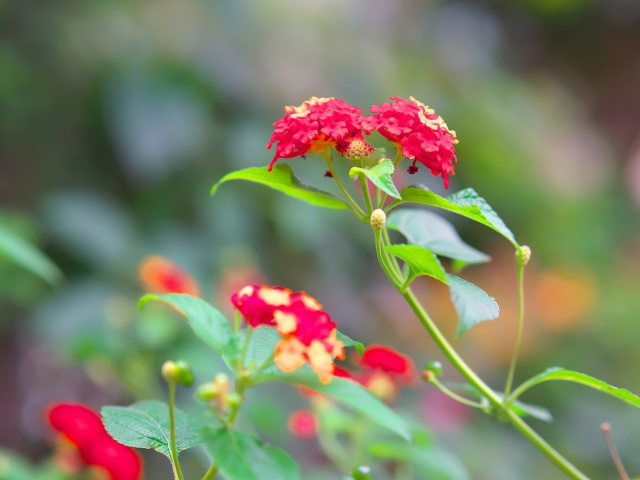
[146, 425]
[466, 203]
[433, 232]
[432, 462]
[282, 178]
[28, 256]
[347, 392]
[420, 260]
[558, 373]
[348, 342]
[381, 175]
[471, 302]
[243, 456]
[211, 326]
[14, 467]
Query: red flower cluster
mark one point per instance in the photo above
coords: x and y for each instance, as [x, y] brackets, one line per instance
[383, 371]
[309, 334]
[419, 132]
[315, 126]
[321, 123]
[82, 427]
[303, 423]
[160, 275]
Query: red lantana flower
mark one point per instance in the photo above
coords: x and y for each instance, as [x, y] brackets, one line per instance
[160, 275]
[303, 423]
[418, 132]
[315, 126]
[309, 334]
[383, 371]
[81, 427]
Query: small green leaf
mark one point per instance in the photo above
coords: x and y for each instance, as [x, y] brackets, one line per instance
[472, 303]
[347, 392]
[381, 175]
[207, 322]
[282, 178]
[433, 232]
[348, 342]
[28, 257]
[558, 373]
[14, 467]
[420, 260]
[243, 456]
[466, 203]
[146, 425]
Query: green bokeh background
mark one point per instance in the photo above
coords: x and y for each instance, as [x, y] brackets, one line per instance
[116, 117]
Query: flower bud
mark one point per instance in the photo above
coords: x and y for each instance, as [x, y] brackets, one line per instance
[170, 371]
[184, 375]
[362, 473]
[524, 255]
[234, 399]
[434, 367]
[378, 219]
[207, 391]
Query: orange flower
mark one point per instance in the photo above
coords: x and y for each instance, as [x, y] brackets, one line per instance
[160, 275]
[309, 334]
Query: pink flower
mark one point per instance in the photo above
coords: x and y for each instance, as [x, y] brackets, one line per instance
[418, 132]
[315, 126]
[303, 423]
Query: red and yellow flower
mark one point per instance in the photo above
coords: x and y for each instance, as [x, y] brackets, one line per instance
[92, 447]
[309, 334]
[160, 275]
[420, 134]
[314, 127]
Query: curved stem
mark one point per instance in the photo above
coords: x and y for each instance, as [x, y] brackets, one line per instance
[514, 360]
[466, 371]
[355, 208]
[444, 389]
[172, 424]
[365, 193]
[213, 470]
[383, 258]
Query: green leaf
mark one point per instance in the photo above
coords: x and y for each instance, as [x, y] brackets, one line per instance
[283, 179]
[433, 232]
[28, 257]
[243, 456]
[146, 425]
[381, 175]
[14, 467]
[472, 303]
[420, 260]
[466, 203]
[348, 393]
[558, 373]
[211, 326]
[348, 342]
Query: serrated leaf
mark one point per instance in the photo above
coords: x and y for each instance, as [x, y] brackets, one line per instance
[466, 203]
[146, 425]
[348, 342]
[347, 392]
[433, 232]
[420, 260]
[471, 302]
[282, 178]
[211, 326]
[381, 175]
[558, 373]
[28, 257]
[243, 456]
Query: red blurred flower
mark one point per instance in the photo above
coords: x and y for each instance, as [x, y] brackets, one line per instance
[303, 423]
[160, 275]
[383, 371]
[83, 428]
[315, 126]
[418, 132]
[309, 334]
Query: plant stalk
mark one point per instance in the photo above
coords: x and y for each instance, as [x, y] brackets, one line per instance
[514, 360]
[177, 472]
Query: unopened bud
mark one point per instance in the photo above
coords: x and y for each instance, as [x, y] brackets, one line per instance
[428, 376]
[184, 377]
[378, 219]
[207, 391]
[524, 255]
[362, 473]
[234, 399]
[170, 371]
[434, 367]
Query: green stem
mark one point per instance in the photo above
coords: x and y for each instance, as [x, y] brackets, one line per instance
[213, 470]
[263, 367]
[444, 389]
[514, 360]
[383, 258]
[353, 205]
[471, 377]
[177, 472]
[365, 193]
[245, 348]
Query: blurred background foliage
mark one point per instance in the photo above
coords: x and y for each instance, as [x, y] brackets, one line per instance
[116, 117]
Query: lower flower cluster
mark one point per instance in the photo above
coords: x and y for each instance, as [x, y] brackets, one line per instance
[309, 334]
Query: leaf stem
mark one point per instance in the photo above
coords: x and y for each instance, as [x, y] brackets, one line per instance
[365, 193]
[383, 258]
[516, 352]
[355, 208]
[211, 473]
[177, 472]
[444, 389]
